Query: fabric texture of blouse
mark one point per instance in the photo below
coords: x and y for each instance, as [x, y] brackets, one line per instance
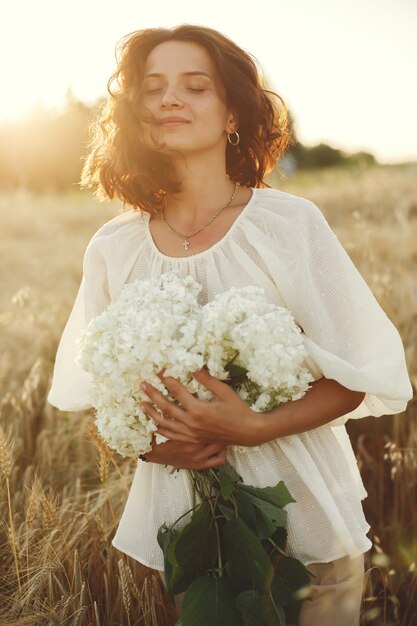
[283, 243]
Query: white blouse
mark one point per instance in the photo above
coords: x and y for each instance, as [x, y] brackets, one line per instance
[283, 243]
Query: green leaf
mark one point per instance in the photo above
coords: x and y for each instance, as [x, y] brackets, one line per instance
[246, 509]
[259, 514]
[268, 517]
[170, 553]
[237, 372]
[227, 477]
[195, 549]
[228, 511]
[210, 602]
[250, 604]
[259, 610]
[245, 553]
[165, 535]
[227, 468]
[226, 485]
[290, 576]
[278, 495]
[167, 538]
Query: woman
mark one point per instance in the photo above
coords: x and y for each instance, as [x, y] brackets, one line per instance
[186, 140]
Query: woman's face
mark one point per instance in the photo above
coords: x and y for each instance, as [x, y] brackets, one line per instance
[181, 81]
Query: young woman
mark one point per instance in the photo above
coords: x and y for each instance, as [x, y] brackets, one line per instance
[186, 139]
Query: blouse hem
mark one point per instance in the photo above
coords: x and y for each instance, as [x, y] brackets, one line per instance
[140, 560]
[334, 558]
[327, 560]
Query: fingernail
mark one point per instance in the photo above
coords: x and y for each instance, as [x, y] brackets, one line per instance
[143, 386]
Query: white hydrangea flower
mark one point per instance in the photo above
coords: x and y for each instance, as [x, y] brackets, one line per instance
[152, 325]
[253, 345]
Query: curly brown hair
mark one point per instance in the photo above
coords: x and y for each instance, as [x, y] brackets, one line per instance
[119, 163]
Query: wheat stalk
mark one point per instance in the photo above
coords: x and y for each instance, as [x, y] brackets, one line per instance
[50, 517]
[104, 458]
[124, 584]
[134, 588]
[96, 613]
[5, 458]
[5, 470]
[82, 608]
[93, 433]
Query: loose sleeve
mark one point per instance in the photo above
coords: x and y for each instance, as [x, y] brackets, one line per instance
[346, 332]
[71, 386]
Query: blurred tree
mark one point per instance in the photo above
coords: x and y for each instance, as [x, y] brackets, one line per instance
[300, 156]
[43, 151]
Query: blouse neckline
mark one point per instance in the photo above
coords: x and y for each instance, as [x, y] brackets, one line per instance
[209, 250]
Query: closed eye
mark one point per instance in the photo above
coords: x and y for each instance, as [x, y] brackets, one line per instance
[190, 89]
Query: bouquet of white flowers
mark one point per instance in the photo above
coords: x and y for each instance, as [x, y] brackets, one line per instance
[253, 345]
[256, 348]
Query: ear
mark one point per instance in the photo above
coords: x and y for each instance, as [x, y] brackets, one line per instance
[232, 123]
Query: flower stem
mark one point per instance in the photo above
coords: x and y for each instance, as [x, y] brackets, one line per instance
[204, 483]
[184, 514]
[277, 547]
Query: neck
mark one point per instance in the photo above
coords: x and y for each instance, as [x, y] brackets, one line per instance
[205, 188]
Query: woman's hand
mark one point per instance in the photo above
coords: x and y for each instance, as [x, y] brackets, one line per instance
[198, 456]
[225, 419]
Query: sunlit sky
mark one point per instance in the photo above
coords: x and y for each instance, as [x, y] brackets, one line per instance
[345, 68]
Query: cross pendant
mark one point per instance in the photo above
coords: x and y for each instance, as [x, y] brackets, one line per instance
[185, 243]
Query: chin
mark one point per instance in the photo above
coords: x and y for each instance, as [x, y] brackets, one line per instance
[183, 146]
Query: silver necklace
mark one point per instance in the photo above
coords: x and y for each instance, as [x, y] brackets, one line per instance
[186, 243]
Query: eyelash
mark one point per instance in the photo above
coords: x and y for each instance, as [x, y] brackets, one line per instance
[190, 88]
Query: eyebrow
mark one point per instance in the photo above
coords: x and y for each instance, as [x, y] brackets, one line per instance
[194, 73]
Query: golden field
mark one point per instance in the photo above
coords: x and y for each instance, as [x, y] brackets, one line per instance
[62, 491]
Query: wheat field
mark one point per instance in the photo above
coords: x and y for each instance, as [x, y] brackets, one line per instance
[62, 491]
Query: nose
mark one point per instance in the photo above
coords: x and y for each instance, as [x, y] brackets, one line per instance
[169, 98]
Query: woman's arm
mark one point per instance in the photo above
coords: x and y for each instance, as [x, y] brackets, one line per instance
[199, 456]
[323, 402]
[229, 420]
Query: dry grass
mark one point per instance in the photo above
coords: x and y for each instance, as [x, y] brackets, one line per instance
[62, 491]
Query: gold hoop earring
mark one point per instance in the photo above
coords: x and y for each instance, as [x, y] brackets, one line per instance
[234, 143]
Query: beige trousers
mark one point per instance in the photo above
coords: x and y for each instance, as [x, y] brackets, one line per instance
[335, 597]
[336, 593]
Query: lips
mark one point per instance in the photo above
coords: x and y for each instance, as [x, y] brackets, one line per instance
[172, 120]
